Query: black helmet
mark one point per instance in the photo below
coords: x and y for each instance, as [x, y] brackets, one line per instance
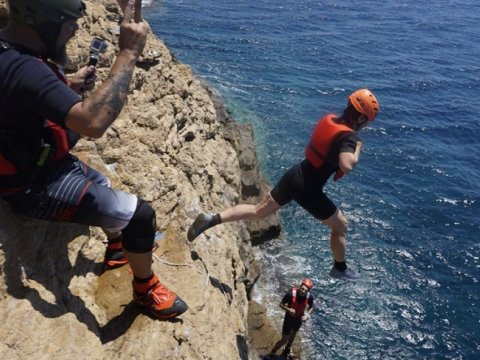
[36, 12]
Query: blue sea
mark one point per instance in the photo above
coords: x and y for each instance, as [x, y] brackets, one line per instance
[413, 201]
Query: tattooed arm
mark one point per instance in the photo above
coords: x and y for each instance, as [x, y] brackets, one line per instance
[93, 116]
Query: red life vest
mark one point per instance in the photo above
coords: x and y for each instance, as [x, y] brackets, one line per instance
[17, 164]
[325, 133]
[299, 306]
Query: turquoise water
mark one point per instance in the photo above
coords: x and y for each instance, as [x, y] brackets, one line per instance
[413, 201]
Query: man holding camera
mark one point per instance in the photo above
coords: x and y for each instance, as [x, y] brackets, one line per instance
[41, 114]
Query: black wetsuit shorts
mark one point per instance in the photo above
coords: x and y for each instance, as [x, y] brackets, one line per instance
[304, 184]
[291, 323]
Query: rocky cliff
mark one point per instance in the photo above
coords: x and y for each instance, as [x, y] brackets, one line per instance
[177, 148]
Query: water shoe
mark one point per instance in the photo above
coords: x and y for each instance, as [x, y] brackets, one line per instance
[114, 257]
[201, 223]
[158, 300]
[347, 274]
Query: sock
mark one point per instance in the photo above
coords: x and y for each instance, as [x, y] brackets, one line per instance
[340, 265]
[142, 281]
[143, 285]
[216, 219]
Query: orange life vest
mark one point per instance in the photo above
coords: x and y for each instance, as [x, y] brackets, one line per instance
[325, 133]
[299, 306]
[17, 164]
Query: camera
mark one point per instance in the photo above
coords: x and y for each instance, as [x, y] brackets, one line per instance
[97, 46]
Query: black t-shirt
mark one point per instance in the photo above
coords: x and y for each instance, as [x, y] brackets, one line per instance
[347, 143]
[287, 299]
[31, 92]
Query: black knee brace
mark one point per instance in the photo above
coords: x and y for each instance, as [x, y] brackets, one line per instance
[138, 236]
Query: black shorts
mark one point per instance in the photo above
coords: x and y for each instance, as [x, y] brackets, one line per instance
[291, 323]
[302, 184]
[76, 193]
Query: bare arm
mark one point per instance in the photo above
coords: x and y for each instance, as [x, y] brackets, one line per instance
[347, 161]
[310, 310]
[93, 116]
[286, 308]
[308, 313]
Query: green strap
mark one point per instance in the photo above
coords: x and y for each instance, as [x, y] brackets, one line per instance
[44, 155]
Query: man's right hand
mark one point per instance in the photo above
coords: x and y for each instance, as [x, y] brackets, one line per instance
[291, 311]
[95, 114]
[133, 30]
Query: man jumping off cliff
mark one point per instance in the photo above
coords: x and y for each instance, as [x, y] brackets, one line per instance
[334, 148]
[40, 113]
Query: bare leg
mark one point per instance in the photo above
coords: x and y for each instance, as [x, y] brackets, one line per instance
[338, 224]
[265, 207]
[141, 264]
[290, 341]
[280, 343]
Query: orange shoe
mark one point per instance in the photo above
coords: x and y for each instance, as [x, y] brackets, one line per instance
[114, 257]
[158, 300]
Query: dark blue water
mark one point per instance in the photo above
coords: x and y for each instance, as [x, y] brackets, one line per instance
[413, 201]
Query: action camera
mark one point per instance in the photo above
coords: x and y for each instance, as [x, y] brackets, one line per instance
[97, 46]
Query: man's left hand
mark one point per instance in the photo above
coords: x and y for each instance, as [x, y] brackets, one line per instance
[83, 79]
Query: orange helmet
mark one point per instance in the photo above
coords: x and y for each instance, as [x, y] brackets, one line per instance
[308, 283]
[365, 103]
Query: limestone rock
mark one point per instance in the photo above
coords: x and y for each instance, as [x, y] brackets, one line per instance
[178, 149]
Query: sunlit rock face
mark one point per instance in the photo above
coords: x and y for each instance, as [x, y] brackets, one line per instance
[179, 150]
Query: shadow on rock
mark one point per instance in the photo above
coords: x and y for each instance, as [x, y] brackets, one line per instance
[224, 288]
[38, 267]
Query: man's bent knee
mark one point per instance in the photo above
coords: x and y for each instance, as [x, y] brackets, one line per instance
[338, 223]
[138, 236]
[267, 206]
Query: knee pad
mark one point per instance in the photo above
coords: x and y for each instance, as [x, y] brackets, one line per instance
[138, 236]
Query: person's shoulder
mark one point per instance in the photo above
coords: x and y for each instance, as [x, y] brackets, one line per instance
[12, 51]
[310, 299]
[19, 61]
[26, 71]
[352, 135]
[349, 137]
